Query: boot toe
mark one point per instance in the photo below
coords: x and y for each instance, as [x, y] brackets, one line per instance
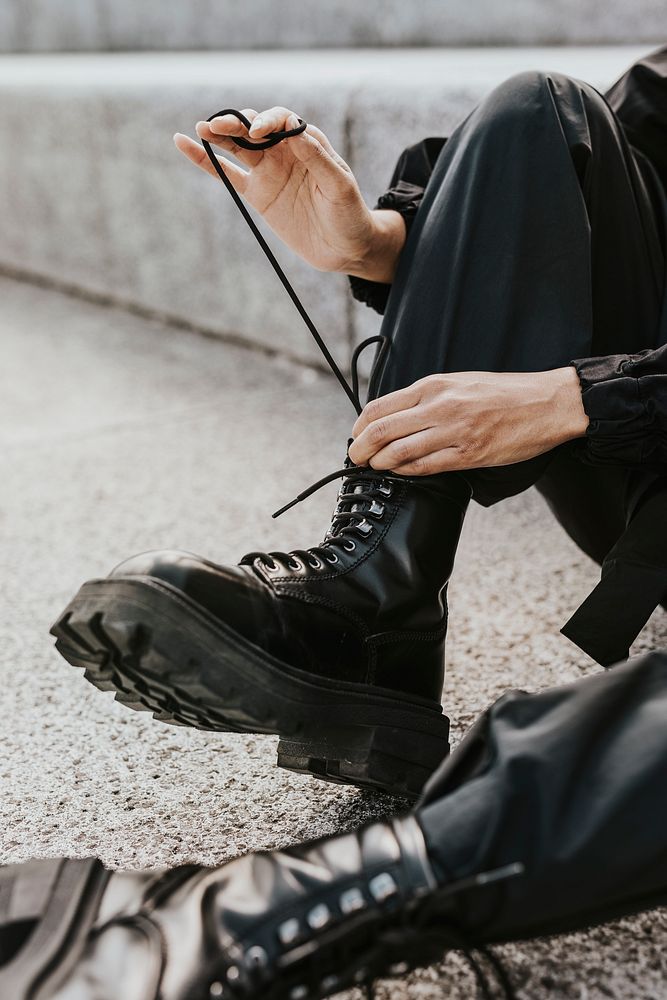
[169, 565]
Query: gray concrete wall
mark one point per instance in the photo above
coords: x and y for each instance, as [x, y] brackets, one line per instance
[93, 194]
[60, 25]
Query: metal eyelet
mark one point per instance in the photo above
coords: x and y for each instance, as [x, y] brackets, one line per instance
[349, 545]
[315, 563]
[256, 958]
[319, 917]
[385, 489]
[289, 932]
[332, 558]
[351, 901]
[376, 509]
[270, 564]
[382, 887]
[295, 564]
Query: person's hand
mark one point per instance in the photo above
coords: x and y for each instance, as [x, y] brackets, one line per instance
[304, 190]
[469, 420]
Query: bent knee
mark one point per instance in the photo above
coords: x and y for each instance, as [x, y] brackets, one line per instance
[528, 95]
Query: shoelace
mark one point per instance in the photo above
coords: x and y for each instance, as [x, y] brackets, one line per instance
[360, 473]
[423, 934]
[364, 485]
[360, 502]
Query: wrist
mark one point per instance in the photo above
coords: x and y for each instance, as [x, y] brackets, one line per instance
[569, 404]
[379, 256]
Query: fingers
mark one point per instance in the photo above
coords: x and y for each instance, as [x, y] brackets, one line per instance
[383, 406]
[278, 119]
[231, 125]
[420, 454]
[326, 166]
[443, 460]
[218, 131]
[407, 449]
[197, 155]
[385, 437]
[311, 147]
[248, 157]
[273, 120]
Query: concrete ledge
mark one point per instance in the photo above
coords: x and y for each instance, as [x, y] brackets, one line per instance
[90, 25]
[94, 196]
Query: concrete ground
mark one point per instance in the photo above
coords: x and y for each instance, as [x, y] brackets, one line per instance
[119, 434]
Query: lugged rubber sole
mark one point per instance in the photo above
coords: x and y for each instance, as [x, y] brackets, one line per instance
[161, 652]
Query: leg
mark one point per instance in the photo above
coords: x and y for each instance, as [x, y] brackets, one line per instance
[584, 765]
[549, 817]
[537, 242]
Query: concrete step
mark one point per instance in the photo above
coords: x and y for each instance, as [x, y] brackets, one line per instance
[93, 195]
[71, 25]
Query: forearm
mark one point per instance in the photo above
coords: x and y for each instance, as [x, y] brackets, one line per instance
[380, 257]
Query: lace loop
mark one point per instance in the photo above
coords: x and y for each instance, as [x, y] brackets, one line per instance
[352, 392]
[343, 520]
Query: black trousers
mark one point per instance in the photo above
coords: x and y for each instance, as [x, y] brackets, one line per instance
[569, 783]
[538, 241]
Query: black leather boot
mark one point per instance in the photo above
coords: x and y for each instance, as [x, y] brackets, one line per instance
[298, 924]
[338, 649]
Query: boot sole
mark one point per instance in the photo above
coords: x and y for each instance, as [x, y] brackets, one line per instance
[160, 652]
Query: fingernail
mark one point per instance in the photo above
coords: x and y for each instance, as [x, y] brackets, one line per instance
[293, 121]
[257, 124]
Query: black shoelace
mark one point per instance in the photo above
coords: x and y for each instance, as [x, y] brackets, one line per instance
[425, 933]
[360, 473]
[363, 487]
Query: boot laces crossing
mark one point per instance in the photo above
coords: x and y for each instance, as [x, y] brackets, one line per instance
[416, 940]
[417, 937]
[360, 503]
[368, 487]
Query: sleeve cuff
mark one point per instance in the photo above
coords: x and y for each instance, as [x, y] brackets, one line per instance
[405, 198]
[617, 412]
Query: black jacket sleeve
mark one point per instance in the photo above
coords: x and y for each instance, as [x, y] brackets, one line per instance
[404, 195]
[625, 398]
[639, 100]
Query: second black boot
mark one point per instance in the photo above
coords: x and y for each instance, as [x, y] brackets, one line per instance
[338, 648]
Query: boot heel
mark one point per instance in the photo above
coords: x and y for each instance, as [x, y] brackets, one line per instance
[380, 758]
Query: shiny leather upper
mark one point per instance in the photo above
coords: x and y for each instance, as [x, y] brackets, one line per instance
[375, 614]
[250, 928]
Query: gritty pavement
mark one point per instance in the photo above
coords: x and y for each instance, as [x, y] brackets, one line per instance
[119, 434]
